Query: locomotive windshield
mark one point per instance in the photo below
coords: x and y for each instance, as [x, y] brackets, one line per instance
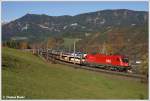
[126, 60]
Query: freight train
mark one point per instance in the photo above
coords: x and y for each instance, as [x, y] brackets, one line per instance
[110, 62]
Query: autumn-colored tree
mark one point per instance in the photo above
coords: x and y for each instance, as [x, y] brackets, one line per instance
[109, 48]
[144, 65]
[106, 48]
[117, 42]
[23, 45]
[51, 43]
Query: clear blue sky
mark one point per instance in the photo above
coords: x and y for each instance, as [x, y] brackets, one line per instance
[14, 10]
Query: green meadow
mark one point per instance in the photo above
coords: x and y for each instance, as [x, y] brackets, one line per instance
[24, 74]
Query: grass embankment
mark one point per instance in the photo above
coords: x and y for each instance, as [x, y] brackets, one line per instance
[24, 74]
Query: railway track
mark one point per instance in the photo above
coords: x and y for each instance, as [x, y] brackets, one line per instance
[123, 74]
[134, 76]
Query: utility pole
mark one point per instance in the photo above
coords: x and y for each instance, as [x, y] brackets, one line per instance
[69, 48]
[74, 50]
[104, 48]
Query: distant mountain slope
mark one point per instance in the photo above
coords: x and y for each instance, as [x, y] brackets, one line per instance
[130, 41]
[39, 27]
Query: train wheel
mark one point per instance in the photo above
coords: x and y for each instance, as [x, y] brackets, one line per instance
[114, 68]
[108, 67]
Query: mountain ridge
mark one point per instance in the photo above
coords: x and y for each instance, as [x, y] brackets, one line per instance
[81, 23]
[83, 13]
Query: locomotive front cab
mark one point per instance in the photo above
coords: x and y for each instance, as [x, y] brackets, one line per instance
[125, 61]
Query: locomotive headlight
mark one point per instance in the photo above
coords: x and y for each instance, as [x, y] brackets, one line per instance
[108, 60]
[121, 63]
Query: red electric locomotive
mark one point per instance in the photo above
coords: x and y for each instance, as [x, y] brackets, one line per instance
[112, 62]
